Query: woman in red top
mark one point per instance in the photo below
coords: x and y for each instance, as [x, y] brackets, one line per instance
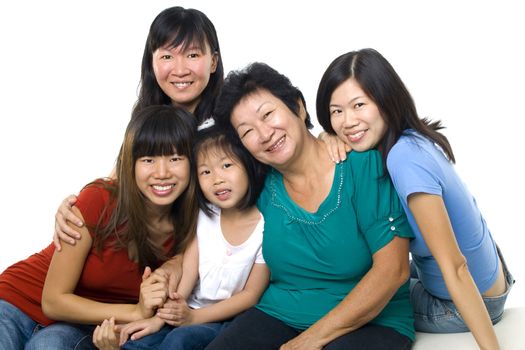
[132, 225]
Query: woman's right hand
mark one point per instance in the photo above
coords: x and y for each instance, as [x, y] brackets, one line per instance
[63, 231]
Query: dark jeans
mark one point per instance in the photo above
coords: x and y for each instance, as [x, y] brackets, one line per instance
[256, 330]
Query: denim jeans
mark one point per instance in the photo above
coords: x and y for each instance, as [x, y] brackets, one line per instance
[435, 315]
[194, 337]
[19, 331]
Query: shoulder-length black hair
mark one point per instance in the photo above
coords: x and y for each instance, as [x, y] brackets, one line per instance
[152, 131]
[382, 84]
[173, 27]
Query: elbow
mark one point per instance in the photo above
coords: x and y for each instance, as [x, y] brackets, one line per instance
[399, 273]
[49, 307]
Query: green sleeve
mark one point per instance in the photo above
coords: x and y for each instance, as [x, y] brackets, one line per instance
[380, 214]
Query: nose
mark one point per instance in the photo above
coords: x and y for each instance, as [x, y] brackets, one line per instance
[350, 119]
[217, 179]
[265, 132]
[161, 169]
[179, 67]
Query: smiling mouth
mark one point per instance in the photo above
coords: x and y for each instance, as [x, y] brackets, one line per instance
[163, 188]
[276, 145]
[356, 137]
[182, 85]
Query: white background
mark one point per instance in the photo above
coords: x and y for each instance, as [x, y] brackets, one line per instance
[69, 73]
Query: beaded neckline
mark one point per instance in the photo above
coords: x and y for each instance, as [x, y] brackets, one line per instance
[273, 186]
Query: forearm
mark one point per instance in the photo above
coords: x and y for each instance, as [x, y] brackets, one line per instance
[469, 302]
[73, 308]
[359, 307]
[225, 309]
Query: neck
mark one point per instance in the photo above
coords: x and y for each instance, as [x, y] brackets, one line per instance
[235, 214]
[312, 159]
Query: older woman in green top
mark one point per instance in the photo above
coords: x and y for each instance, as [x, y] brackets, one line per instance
[335, 237]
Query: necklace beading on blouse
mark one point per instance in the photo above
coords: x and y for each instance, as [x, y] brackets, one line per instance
[309, 222]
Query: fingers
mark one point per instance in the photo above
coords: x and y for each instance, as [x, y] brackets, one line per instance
[63, 231]
[104, 335]
[146, 273]
[342, 148]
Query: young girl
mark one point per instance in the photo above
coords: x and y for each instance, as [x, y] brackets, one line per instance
[224, 271]
[460, 280]
[137, 221]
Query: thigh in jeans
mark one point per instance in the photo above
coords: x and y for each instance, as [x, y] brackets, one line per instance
[16, 328]
[63, 336]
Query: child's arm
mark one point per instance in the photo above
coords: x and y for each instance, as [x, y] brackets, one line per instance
[190, 270]
[138, 329]
[59, 301]
[433, 222]
[225, 309]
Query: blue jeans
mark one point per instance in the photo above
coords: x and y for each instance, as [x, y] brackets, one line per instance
[435, 315]
[193, 337]
[19, 331]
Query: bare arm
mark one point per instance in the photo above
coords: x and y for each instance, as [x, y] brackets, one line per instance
[178, 313]
[190, 270]
[390, 269]
[433, 222]
[59, 301]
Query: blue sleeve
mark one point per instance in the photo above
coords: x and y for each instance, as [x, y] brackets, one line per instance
[412, 169]
[380, 214]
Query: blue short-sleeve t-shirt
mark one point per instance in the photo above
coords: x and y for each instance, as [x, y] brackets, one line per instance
[417, 165]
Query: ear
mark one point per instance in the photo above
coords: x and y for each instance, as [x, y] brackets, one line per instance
[214, 61]
[302, 109]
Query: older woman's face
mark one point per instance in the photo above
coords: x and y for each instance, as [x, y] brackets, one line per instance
[268, 129]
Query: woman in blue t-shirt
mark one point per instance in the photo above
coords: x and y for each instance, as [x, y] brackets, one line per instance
[459, 278]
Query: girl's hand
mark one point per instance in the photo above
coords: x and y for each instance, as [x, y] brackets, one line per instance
[105, 335]
[176, 312]
[172, 269]
[63, 231]
[153, 292]
[138, 329]
[337, 149]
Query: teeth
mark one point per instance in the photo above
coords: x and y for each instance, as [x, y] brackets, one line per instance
[277, 144]
[162, 188]
[356, 136]
[222, 192]
[182, 85]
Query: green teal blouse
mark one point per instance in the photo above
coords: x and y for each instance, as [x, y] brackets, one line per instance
[316, 259]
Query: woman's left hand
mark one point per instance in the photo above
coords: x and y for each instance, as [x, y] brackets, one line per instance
[303, 341]
[337, 149]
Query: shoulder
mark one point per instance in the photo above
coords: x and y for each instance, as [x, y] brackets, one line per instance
[94, 198]
[367, 162]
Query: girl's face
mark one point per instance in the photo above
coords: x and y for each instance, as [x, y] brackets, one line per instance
[222, 179]
[162, 179]
[355, 117]
[184, 74]
[268, 129]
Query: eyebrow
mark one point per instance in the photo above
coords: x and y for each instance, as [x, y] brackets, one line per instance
[352, 100]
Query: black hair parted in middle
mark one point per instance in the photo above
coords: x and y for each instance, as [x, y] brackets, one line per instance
[216, 138]
[255, 77]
